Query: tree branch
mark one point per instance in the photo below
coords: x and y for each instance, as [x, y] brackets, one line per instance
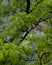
[44, 54]
[28, 6]
[31, 28]
[27, 32]
[40, 57]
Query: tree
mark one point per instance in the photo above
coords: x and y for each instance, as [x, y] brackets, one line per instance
[19, 44]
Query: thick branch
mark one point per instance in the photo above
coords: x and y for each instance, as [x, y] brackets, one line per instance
[28, 31]
[28, 6]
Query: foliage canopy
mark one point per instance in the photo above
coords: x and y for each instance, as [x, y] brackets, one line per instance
[19, 41]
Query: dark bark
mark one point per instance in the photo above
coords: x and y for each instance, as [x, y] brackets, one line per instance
[31, 28]
[28, 6]
[40, 58]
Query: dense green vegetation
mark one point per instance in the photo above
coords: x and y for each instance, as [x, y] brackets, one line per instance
[20, 42]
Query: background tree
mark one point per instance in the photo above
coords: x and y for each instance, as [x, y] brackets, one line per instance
[24, 40]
